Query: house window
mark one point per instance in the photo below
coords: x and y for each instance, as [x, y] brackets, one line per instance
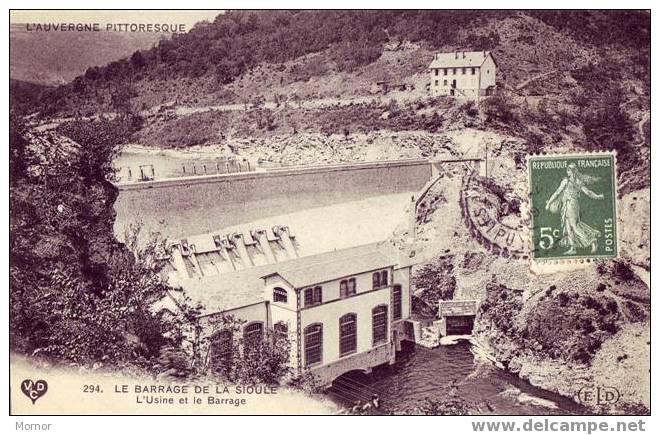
[396, 302]
[281, 330]
[383, 278]
[445, 83]
[313, 344]
[253, 333]
[474, 71]
[279, 295]
[347, 334]
[347, 287]
[222, 345]
[313, 296]
[453, 71]
[463, 71]
[436, 71]
[445, 71]
[379, 324]
[436, 82]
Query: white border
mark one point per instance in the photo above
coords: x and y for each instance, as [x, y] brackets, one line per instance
[277, 425]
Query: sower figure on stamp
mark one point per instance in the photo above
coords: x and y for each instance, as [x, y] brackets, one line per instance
[566, 200]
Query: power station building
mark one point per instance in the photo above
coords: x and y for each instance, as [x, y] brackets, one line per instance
[342, 310]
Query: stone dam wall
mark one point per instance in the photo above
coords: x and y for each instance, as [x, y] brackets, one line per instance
[179, 207]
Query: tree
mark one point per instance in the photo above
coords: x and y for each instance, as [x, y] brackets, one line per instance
[249, 361]
[77, 294]
[137, 60]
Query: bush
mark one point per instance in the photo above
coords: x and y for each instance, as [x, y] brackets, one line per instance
[77, 294]
[470, 109]
[499, 110]
[435, 282]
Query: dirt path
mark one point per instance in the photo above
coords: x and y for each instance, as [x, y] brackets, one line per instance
[641, 145]
[532, 79]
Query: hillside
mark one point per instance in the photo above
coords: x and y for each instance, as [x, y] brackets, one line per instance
[23, 96]
[561, 331]
[55, 58]
[295, 47]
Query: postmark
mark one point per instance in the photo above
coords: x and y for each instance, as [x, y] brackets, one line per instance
[573, 207]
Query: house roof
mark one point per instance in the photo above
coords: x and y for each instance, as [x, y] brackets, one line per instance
[245, 287]
[328, 266]
[457, 59]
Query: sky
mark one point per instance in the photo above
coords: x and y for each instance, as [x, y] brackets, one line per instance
[189, 18]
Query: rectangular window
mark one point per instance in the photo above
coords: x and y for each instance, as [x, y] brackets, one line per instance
[351, 287]
[445, 70]
[436, 82]
[313, 296]
[347, 288]
[379, 279]
[347, 334]
[379, 324]
[436, 71]
[474, 71]
[445, 83]
[463, 72]
[396, 302]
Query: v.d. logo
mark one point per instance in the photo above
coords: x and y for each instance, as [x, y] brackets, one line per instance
[34, 390]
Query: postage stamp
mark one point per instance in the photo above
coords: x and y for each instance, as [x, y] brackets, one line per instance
[573, 205]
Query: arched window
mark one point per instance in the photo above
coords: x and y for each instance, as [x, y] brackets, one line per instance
[313, 344]
[253, 333]
[347, 334]
[375, 280]
[281, 330]
[396, 302]
[279, 295]
[379, 324]
[222, 346]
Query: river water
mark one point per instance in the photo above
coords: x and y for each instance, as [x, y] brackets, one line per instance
[421, 373]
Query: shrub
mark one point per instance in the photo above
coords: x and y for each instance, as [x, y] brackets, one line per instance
[470, 109]
[500, 110]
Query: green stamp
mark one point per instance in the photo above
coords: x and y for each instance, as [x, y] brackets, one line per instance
[573, 206]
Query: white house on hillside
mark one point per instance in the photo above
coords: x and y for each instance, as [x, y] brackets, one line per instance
[463, 74]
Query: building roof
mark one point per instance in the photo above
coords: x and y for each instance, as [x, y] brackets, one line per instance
[457, 308]
[457, 59]
[333, 265]
[226, 291]
[245, 287]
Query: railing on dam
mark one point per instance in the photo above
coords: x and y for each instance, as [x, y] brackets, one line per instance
[270, 172]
